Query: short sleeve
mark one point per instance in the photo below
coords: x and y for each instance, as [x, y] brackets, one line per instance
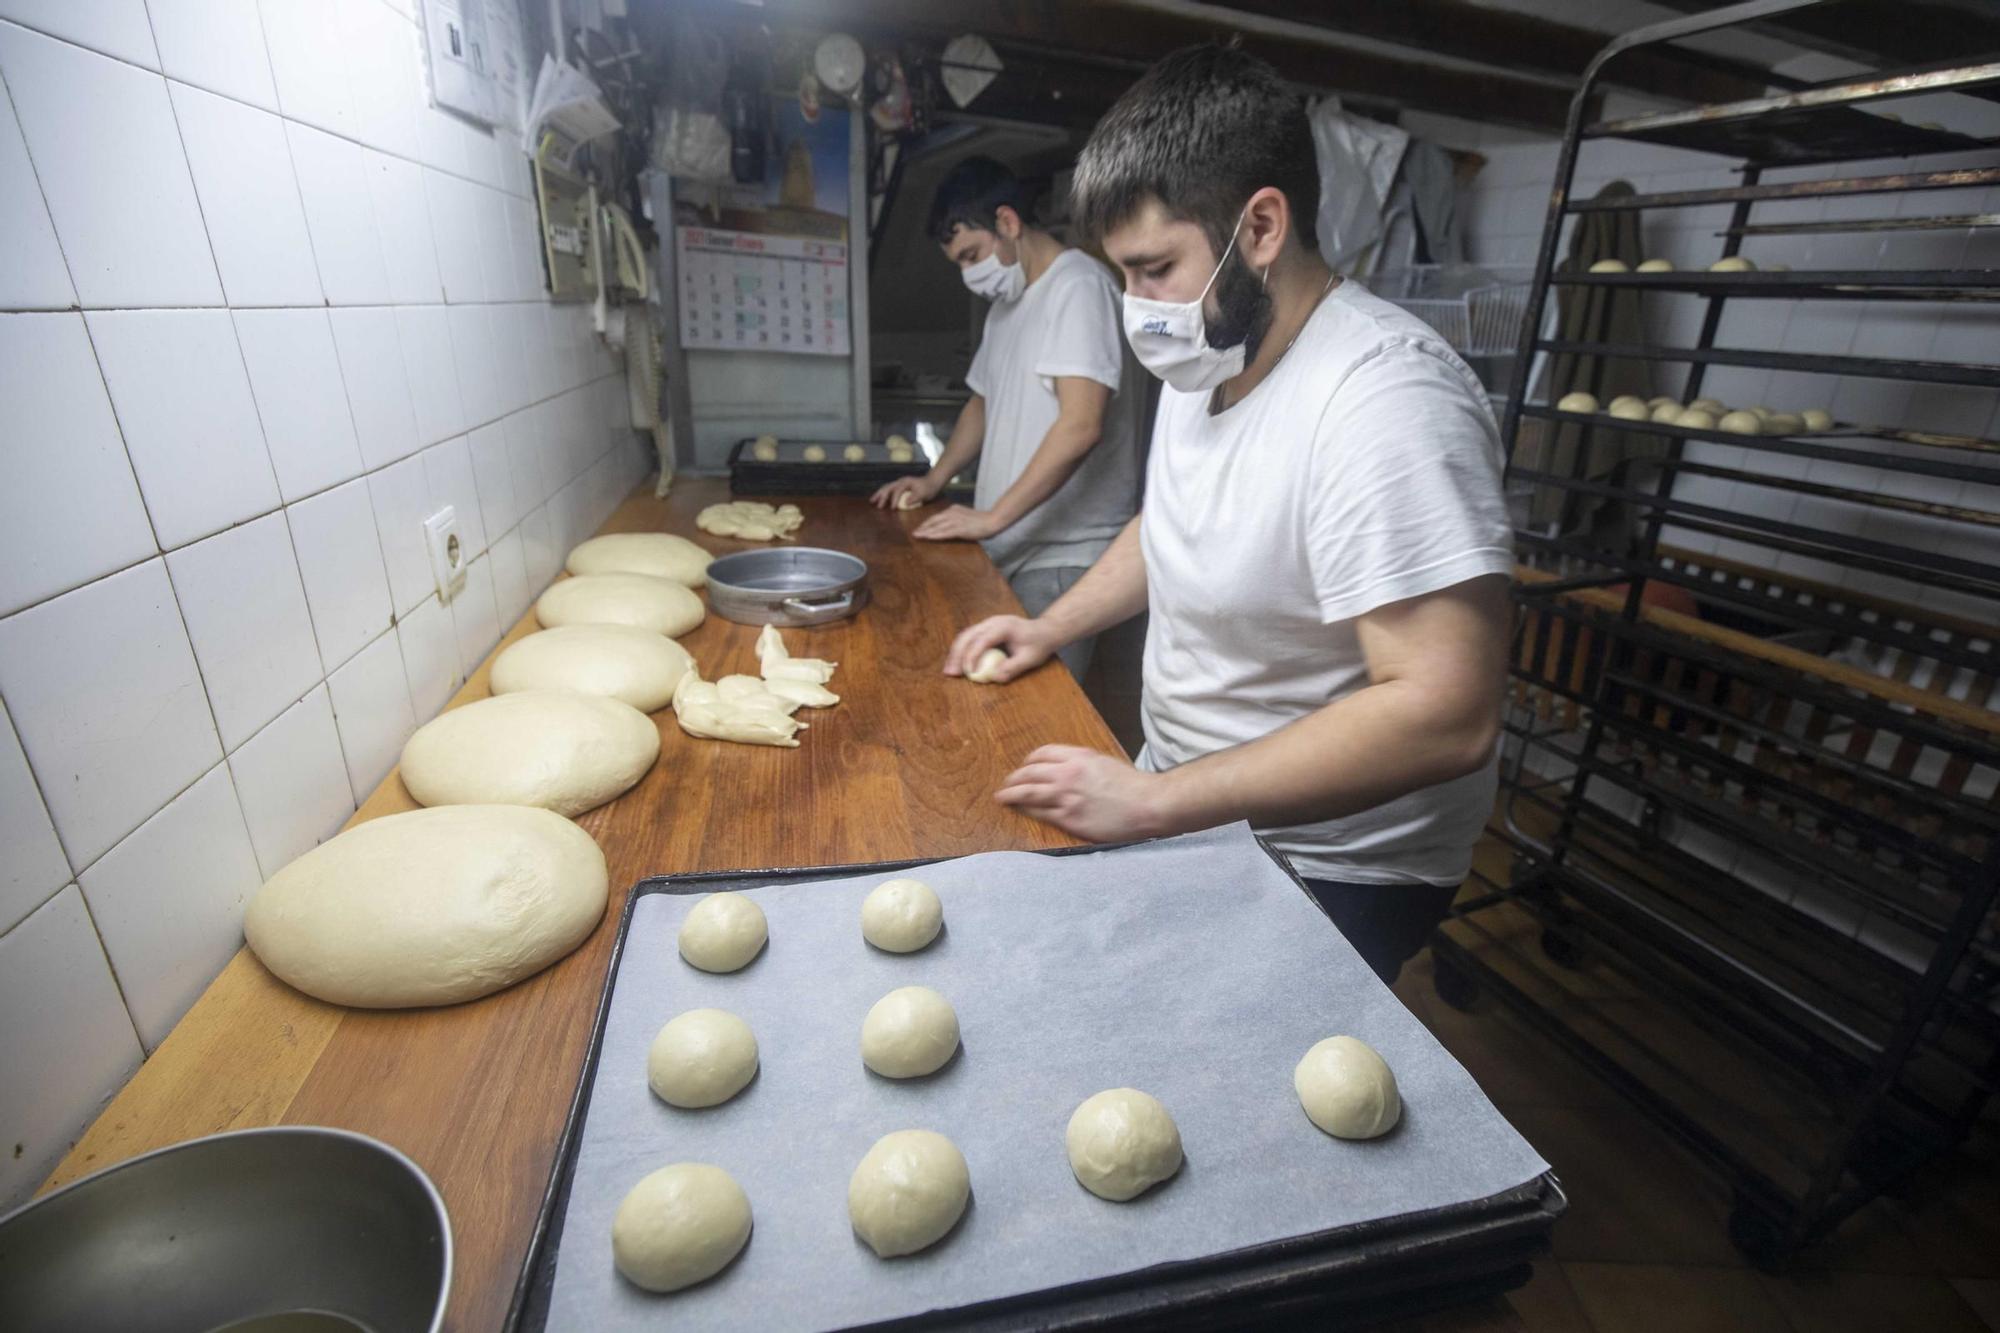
[1084, 335]
[1406, 495]
[979, 375]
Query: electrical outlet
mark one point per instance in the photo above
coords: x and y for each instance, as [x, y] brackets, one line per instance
[446, 552]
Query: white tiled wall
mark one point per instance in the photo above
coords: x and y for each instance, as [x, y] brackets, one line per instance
[262, 311]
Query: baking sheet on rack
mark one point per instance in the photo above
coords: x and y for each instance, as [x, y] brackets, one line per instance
[1192, 968]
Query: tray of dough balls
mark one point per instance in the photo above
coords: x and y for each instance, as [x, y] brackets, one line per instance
[998, 1083]
[767, 465]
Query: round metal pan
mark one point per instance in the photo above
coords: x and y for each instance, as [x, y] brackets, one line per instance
[787, 586]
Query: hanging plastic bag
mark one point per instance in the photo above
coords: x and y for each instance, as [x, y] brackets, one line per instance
[690, 139]
[1358, 159]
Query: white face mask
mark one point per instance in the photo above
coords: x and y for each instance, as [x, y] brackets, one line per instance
[1170, 338]
[994, 280]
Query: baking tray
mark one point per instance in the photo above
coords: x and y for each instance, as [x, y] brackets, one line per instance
[792, 475]
[1365, 1269]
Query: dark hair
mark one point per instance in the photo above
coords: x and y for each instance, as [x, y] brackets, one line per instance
[1201, 132]
[971, 196]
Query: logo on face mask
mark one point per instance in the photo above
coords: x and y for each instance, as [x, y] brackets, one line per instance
[1154, 325]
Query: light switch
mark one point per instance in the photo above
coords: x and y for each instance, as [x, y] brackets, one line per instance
[446, 552]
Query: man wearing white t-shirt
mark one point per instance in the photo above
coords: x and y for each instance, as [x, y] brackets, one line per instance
[1323, 547]
[1055, 440]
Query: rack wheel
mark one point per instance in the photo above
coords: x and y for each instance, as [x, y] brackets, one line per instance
[1560, 949]
[1454, 985]
[1757, 1234]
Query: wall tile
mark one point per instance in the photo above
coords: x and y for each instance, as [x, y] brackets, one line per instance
[246, 616]
[309, 62]
[402, 502]
[384, 78]
[102, 137]
[67, 1023]
[511, 344]
[69, 504]
[183, 402]
[346, 242]
[475, 618]
[510, 578]
[34, 866]
[493, 470]
[448, 470]
[292, 783]
[525, 435]
[430, 657]
[340, 562]
[217, 45]
[539, 550]
[168, 902]
[116, 27]
[455, 234]
[301, 400]
[105, 695]
[371, 708]
[396, 195]
[425, 331]
[249, 198]
[34, 276]
[378, 384]
[475, 353]
[496, 249]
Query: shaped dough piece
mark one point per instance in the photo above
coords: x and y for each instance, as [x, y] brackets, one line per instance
[750, 520]
[661, 554]
[660, 605]
[764, 448]
[1784, 423]
[1741, 423]
[803, 693]
[908, 1192]
[1733, 264]
[855, 453]
[634, 666]
[1577, 402]
[702, 711]
[989, 662]
[563, 752]
[1656, 266]
[910, 1032]
[1712, 406]
[701, 1058]
[429, 906]
[901, 915]
[750, 692]
[1610, 266]
[723, 932]
[1631, 409]
[1121, 1143]
[680, 1225]
[1347, 1089]
[815, 454]
[1667, 413]
[898, 443]
[779, 664]
[908, 500]
[1817, 419]
[1695, 418]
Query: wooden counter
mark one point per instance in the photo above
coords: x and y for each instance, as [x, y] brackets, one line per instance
[905, 766]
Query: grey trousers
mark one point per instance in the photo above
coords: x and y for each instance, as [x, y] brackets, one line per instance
[1038, 590]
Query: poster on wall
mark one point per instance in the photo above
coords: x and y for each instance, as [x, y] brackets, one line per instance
[763, 265]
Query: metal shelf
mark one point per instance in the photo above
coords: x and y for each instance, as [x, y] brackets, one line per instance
[1881, 368]
[1901, 183]
[1810, 285]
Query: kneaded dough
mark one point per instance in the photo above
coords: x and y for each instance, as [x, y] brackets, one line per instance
[750, 520]
[1660, 400]
[723, 932]
[1667, 413]
[1121, 1143]
[702, 711]
[1784, 423]
[1625, 400]
[815, 454]
[1817, 419]
[989, 662]
[1610, 266]
[623, 662]
[1733, 264]
[661, 554]
[908, 1192]
[1347, 1089]
[902, 455]
[657, 604]
[1577, 402]
[564, 752]
[1695, 418]
[803, 693]
[910, 1032]
[429, 906]
[1741, 423]
[854, 453]
[764, 448]
[701, 1058]
[679, 1225]
[908, 500]
[898, 442]
[901, 915]
[1713, 406]
[775, 661]
[1656, 266]
[1631, 409]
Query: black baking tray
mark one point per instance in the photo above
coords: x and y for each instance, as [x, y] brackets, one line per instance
[836, 476]
[1366, 1273]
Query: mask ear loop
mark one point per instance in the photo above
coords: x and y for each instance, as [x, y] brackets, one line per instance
[1229, 250]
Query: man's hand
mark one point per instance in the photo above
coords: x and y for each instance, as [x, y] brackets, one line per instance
[1086, 794]
[1028, 644]
[959, 523]
[888, 497]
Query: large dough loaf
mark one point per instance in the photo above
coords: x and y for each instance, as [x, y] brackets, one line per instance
[660, 605]
[661, 554]
[564, 752]
[430, 906]
[634, 666]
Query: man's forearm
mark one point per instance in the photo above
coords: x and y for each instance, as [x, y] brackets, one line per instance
[1111, 591]
[1060, 453]
[968, 433]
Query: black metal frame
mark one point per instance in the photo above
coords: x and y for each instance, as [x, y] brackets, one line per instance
[1890, 1054]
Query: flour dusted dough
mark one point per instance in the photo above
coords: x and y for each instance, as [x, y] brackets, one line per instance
[907, 499]
[910, 1032]
[989, 662]
[634, 666]
[679, 1225]
[701, 1058]
[750, 520]
[1577, 402]
[657, 604]
[803, 693]
[564, 752]
[429, 906]
[777, 663]
[901, 915]
[702, 711]
[908, 1192]
[1347, 1089]
[1121, 1143]
[661, 554]
[723, 932]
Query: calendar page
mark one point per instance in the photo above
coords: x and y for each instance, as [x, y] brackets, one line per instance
[746, 292]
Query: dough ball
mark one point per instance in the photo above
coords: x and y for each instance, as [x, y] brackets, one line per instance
[661, 554]
[1631, 409]
[429, 906]
[989, 662]
[1667, 413]
[901, 915]
[634, 666]
[681, 1224]
[1714, 406]
[908, 500]
[764, 448]
[815, 454]
[854, 453]
[1694, 418]
[1784, 423]
[901, 454]
[1347, 1089]
[657, 604]
[1577, 402]
[896, 442]
[1610, 266]
[1660, 399]
[910, 1032]
[1741, 423]
[564, 752]
[723, 932]
[1733, 264]
[1122, 1143]
[701, 1058]
[1625, 400]
[1656, 266]
[1816, 419]
[908, 1192]
[1762, 412]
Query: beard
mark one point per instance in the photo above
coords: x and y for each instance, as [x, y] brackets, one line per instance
[1243, 310]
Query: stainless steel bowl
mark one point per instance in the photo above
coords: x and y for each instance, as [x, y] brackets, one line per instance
[787, 585]
[255, 1229]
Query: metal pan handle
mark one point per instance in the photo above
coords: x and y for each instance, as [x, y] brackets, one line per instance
[832, 608]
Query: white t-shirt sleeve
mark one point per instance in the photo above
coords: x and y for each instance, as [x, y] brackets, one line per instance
[1406, 497]
[1084, 333]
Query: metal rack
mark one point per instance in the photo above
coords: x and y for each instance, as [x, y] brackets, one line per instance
[1754, 819]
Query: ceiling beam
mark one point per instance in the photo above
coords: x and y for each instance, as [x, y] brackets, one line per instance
[1870, 31]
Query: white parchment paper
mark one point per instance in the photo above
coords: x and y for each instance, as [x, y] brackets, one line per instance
[1191, 968]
